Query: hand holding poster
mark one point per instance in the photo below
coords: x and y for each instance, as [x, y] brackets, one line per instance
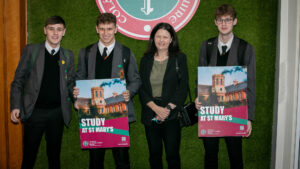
[222, 92]
[102, 113]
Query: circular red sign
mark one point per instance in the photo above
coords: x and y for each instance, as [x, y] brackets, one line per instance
[136, 19]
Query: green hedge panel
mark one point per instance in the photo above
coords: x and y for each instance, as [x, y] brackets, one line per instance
[257, 21]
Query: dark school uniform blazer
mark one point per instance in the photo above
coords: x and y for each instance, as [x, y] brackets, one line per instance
[27, 82]
[134, 81]
[174, 89]
[250, 62]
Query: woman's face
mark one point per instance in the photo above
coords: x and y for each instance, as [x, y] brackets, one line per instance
[162, 39]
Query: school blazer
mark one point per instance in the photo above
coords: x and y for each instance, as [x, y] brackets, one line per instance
[26, 85]
[134, 81]
[174, 89]
[250, 61]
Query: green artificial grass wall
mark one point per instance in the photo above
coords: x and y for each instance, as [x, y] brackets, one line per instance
[257, 21]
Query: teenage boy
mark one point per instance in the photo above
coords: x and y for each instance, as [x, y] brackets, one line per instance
[102, 60]
[41, 93]
[224, 51]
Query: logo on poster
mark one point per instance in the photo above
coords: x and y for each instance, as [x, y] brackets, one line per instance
[242, 128]
[85, 143]
[136, 19]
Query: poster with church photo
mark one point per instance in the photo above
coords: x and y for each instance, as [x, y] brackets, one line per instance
[102, 113]
[222, 92]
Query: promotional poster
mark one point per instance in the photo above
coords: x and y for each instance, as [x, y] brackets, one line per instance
[222, 92]
[102, 113]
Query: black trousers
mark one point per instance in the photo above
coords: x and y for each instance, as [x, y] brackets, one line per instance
[121, 157]
[234, 148]
[50, 122]
[169, 133]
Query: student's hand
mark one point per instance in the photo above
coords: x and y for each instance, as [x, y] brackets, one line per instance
[249, 128]
[14, 115]
[126, 95]
[198, 104]
[75, 92]
[76, 105]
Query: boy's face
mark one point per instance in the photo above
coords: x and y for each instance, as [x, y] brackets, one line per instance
[225, 24]
[54, 34]
[106, 33]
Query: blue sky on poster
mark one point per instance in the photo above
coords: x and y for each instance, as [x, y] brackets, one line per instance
[237, 73]
[86, 85]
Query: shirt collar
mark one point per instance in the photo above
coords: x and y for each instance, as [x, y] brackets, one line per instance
[228, 44]
[49, 48]
[109, 48]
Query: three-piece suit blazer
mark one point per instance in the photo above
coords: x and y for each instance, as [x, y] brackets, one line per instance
[133, 77]
[27, 81]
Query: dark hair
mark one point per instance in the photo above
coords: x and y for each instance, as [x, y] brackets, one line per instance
[55, 20]
[225, 9]
[173, 47]
[107, 18]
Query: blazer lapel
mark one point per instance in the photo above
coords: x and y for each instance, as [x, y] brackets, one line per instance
[40, 63]
[148, 68]
[214, 55]
[117, 64]
[63, 72]
[233, 53]
[171, 62]
[92, 61]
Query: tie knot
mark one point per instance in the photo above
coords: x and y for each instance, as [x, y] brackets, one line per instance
[104, 53]
[224, 49]
[52, 52]
[105, 50]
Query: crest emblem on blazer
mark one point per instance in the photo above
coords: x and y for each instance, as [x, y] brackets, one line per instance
[136, 18]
